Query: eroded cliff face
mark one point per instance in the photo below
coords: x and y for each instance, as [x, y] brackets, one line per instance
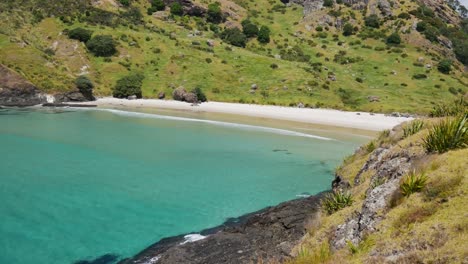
[15, 90]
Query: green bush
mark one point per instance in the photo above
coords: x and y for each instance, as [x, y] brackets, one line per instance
[348, 29]
[156, 5]
[450, 133]
[133, 15]
[125, 2]
[412, 183]
[200, 94]
[264, 35]
[394, 39]
[234, 37]
[102, 45]
[336, 201]
[249, 29]
[413, 128]
[214, 14]
[80, 34]
[419, 76]
[128, 86]
[328, 3]
[85, 86]
[445, 66]
[372, 21]
[176, 9]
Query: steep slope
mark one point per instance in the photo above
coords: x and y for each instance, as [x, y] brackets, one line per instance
[308, 60]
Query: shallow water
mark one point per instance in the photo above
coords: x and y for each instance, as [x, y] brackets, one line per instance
[80, 184]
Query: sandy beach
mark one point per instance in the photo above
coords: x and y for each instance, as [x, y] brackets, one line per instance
[329, 117]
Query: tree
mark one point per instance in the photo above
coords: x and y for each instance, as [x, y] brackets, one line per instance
[102, 45]
[80, 34]
[158, 5]
[328, 3]
[249, 29]
[85, 86]
[348, 29]
[394, 38]
[176, 9]
[445, 66]
[214, 14]
[133, 15]
[125, 2]
[421, 26]
[372, 21]
[234, 37]
[129, 85]
[264, 35]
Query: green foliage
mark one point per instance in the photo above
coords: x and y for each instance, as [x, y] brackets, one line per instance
[459, 107]
[412, 183]
[80, 34]
[419, 76]
[249, 29]
[336, 201]
[394, 39]
[85, 86]
[200, 94]
[214, 14]
[450, 133]
[413, 128]
[102, 45]
[445, 66]
[372, 21]
[133, 15]
[234, 37]
[125, 2]
[264, 34]
[176, 9]
[348, 29]
[156, 5]
[328, 3]
[129, 85]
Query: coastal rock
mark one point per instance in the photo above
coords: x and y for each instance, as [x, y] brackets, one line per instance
[267, 235]
[179, 94]
[190, 98]
[254, 86]
[161, 95]
[15, 90]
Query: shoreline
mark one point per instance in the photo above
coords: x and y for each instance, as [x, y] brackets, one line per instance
[325, 117]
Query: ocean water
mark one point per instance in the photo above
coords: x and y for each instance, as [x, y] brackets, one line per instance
[76, 185]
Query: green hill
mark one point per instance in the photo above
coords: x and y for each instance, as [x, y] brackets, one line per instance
[308, 59]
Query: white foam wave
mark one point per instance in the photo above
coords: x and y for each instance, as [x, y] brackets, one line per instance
[219, 123]
[192, 238]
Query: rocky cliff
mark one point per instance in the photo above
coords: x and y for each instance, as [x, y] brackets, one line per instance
[17, 91]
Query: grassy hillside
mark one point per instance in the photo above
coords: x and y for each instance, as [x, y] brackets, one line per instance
[298, 65]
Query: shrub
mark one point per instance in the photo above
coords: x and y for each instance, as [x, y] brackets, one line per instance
[249, 29]
[328, 3]
[458, 107]
[264, 35]
[412, 183]
[102, 45]
[176, 9]
[335, 201]
[413, 128]
[200, 94]
[85, 86]
[359, 80]
[80, 34]
[214, 14]
[274, 66]
[372, 21]
[419, 76]
[129, 85]
[125, 2]
[451, 133]
[234, 37]
[421, 26]
[158, 5]
[348, 29]
[133, 15]
[445, 66]
[394, 38]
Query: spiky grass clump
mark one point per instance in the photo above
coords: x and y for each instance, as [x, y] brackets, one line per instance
[451, 133]
[459, 107]
[413, 128]
[337, 200]
[412, 183]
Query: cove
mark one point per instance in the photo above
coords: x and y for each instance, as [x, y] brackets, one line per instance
[84, 185]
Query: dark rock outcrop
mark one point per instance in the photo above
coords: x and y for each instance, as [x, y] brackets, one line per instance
[15, 90]
[269, 234]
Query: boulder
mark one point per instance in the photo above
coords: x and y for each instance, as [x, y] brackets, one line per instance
[161, 95]
[179, 94]
[210, 42]
[190, 98]
[373, 98]
[300, 105]
[254, 86]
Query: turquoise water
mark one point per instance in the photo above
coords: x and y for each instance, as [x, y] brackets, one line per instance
[79, 184]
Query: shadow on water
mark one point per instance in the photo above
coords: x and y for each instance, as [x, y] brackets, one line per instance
[104, 259]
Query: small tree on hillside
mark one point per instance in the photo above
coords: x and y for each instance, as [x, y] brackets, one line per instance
[328, 3]
[214, 14]
[176, 9]
[394, 38]
[348, 29]
[264, 35]
[102, 45]
[85, 86]
[234, 37]
[80, 34]
[445, 66]
[249, 29]
[372, 21]
[129, 85]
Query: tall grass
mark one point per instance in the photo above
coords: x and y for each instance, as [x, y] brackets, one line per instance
[412, 183]
[459, 107]
[336, 201]
[413, 128]
[450, 133]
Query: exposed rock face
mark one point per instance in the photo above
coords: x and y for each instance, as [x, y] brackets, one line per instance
[266, 235]
[179, 94]
[190, 98]
[17, 91]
